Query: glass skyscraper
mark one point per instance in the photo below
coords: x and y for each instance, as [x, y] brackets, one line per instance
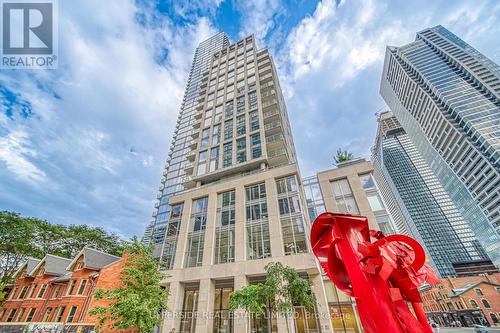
[446, 95]
[423, 205]
[174, 174]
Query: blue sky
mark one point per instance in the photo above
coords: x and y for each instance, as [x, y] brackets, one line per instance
[86, 143]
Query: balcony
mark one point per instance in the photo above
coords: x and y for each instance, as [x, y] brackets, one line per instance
[198, 115]
[195, 133]
[271, 116]
[193, 144]
[189, 168]
[273, 128]
[197, 124]
[190, 157]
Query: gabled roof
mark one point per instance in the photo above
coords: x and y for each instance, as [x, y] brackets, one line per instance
[93, 259]
[30, 264]
[62, 278]
[54, 265]
[459, 291]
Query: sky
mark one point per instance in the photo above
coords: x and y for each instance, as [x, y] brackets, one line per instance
[86, 143]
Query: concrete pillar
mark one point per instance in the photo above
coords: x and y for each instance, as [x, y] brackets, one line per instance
[240, 226]
[204, 320]
[274, 219]
[241, 320]
[321, 303]
[174, 304]
[208, 248]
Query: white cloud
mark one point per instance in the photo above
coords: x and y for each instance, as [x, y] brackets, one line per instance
[258, 17]
[119, 84]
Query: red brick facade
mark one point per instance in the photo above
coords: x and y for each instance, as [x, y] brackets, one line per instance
[464, 301]
[41, 296]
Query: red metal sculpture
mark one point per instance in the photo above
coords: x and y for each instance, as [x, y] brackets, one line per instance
[382, 275]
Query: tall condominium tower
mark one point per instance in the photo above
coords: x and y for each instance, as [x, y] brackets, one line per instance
[174, 173]
[239, 203]
[446, 96]
[421, 203]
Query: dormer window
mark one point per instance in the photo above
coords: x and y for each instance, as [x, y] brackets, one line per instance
[79, 264]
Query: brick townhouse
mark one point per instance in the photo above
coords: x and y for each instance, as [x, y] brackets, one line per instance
[57, 289]
[464, 301]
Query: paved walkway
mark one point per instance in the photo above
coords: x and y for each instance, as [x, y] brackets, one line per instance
[467, 330]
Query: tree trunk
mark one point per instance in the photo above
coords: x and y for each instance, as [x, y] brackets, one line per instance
[287, 326]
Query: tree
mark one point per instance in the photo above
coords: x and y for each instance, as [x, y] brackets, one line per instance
[23, 237]
[139, 299]
[282, 290]
[2, 292]
[342, 156]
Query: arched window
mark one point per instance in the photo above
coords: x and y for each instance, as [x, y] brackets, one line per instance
[486, 303]
[473, 303]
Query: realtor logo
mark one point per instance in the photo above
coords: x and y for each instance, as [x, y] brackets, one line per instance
[29, 34]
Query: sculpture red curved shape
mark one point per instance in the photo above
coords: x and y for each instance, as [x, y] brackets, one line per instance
[381, 276]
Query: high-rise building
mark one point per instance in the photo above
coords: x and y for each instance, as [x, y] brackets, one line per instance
[348, 188]
[422, 208]
[446, 96]
[239, 203]
[174, 174]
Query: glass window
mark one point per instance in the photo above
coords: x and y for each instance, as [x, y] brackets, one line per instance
[214, 159]
[240, 104]
[223, 319]
[204, 138]
[227, 158]
[224, 233]
[254, 121]
[367, 181]
[344, 197]
[294, 236]
[228, 129]
[216, 135]
[229, 108]
[189, 307]
[256, 146]
[240, 125]
[241, 150]
[375, 202]
[71, 314]
[82, 287]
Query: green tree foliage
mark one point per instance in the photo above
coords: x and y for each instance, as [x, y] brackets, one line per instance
[342, 156]
[282, 290]
[139, 300]
[2, 292]
[23, 237]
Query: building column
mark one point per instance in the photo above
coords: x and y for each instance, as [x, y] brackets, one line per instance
[204, 320]
[274, 219]
[322, 308]
[174, 304]
[241, 320]
[209, 242]
[240, 245]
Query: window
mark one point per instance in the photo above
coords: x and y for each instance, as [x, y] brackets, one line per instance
[259, 245]
[11, 315]
[71, 314]
[60, 313]
[241, 150]
[375, 202]
[204, 138]
[202, 163]
[31, 314]
[42, 291]
[32, 291]
[227, 157]
[22, 295]
[252, 99]
[48, 313]
[224, 232]
[286, 184]
[82, 287]
[20, 314]
[55, 293]
[294, 236]
[479, 292]
[367, 181]
[486, 304]
[71, 287]
[289, 205]
[13, 293]
[240, 125]
[189, 306]
[196, 238]
[229, 107]
[473, 303]
[254, 121]
[240, 104]
[214, 159]
[256, 147]
[216, 135]
[228, 129]
[344, 197]
[223, 319]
